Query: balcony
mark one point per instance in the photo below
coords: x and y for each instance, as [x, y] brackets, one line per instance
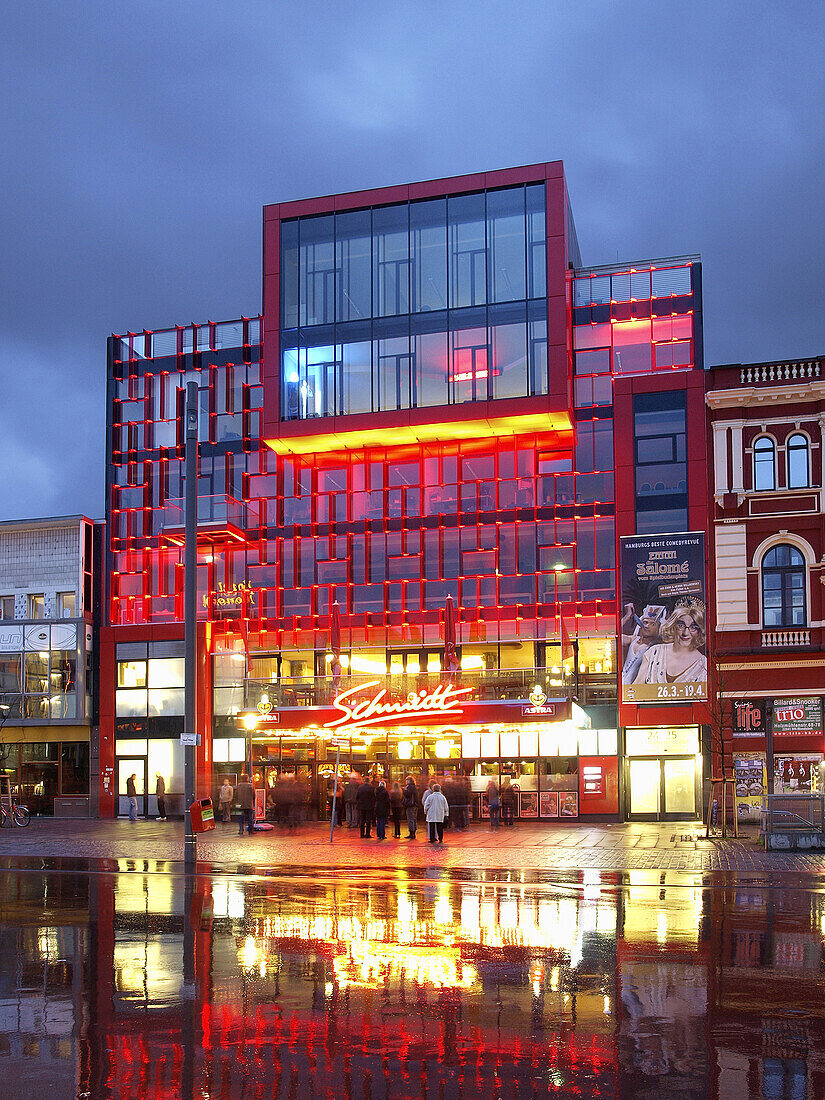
[785, 639]
[221, 519]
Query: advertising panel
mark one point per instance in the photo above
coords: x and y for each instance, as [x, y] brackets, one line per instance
[663, 618]
[797, 716]
[748, 717]
[749, 773]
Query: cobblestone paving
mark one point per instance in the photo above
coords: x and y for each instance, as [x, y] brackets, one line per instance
[644, 847]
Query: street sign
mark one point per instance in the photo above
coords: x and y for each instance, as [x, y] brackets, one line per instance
[190, 738]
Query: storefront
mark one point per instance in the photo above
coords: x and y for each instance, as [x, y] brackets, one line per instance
[796, 726]
[542, 748]
[663, 777]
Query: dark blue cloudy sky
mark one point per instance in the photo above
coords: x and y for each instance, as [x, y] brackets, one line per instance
[140, 141]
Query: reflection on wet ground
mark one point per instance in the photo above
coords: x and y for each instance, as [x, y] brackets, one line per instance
[137, 983]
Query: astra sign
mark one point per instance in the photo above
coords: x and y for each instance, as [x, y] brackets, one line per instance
[360, 707]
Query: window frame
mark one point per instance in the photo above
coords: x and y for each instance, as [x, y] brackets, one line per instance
[784, 571]
[789, 448]
[756, 448]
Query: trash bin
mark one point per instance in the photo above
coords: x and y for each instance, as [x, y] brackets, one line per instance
[203, 815]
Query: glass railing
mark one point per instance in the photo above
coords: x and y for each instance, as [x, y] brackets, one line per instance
[488, 685]
[212, 510]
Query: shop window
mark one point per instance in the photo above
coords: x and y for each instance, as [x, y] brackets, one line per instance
[131, 674]
[764, 464]
[783, 587]
[75, 768]
[798, 463]
[130, 703]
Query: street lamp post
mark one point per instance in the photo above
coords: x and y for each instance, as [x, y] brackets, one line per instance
[190, 612]
[250, 724]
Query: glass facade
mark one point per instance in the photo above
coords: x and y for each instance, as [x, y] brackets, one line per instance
[660, 459]
[422, 304]
[418, 304]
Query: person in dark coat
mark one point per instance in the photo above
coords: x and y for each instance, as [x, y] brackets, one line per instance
[410, 803]
[366, 807]
[396, 809]
[382, 810]
[350, 795]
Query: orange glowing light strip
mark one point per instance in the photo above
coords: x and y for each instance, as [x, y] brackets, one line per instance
[430, 432]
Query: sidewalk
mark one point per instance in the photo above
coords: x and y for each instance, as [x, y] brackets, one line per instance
[673, 846]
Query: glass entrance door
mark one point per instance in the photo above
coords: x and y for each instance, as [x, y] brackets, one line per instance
[680, 787]
[125, 768]
[663, 788]
[645, 788]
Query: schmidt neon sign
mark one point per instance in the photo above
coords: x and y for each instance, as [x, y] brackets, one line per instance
[360, 709]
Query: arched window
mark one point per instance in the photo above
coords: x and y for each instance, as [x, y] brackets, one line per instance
[783, 587]
[797, 456]
[764, 466]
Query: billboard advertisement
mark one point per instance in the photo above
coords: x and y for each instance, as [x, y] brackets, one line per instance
[663, 618]
[802, 717]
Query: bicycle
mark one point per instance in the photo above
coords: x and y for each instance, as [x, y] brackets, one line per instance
[14, 815]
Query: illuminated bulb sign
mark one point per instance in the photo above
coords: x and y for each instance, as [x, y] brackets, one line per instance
[538, 703]
[359, 708]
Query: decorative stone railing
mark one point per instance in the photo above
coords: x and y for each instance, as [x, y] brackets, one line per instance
[785, 639]
[780, 372]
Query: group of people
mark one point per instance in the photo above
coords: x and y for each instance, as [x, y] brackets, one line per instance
[362, 803]
[501, 802]
[368, 803]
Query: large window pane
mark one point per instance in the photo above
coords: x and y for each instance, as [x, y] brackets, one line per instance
[317, 271]
[506, 237]
[428, 241]
[509, 360]
[352, 246]
[391, 260]
[356, 376]
[468, 251]
[289, 274]
[536, 241]
[431, 368]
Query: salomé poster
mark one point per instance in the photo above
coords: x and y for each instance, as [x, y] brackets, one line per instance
[663, 618]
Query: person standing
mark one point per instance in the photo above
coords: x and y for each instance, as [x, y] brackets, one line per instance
[410, 803]
[508, 802]
[435, 811]
[493, 803]
[350, 804]
[396, 809]
[366, 807]
[131, 794]
[225, 796]
[160, 791]
[382, 810]
[246, 802]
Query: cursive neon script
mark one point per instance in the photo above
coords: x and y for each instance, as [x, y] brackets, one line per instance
[373, 711]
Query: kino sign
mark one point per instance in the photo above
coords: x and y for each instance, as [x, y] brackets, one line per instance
[361, 709]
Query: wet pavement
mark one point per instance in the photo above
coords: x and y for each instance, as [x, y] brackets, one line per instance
[123, 979]
[676, 846]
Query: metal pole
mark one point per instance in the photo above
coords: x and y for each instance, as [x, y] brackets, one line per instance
[334, 791]
[190, 593]
[769, 743]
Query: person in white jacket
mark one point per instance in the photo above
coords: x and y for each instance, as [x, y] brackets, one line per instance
[436, 808]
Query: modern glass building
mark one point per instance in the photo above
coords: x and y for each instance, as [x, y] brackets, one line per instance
[423, 413]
